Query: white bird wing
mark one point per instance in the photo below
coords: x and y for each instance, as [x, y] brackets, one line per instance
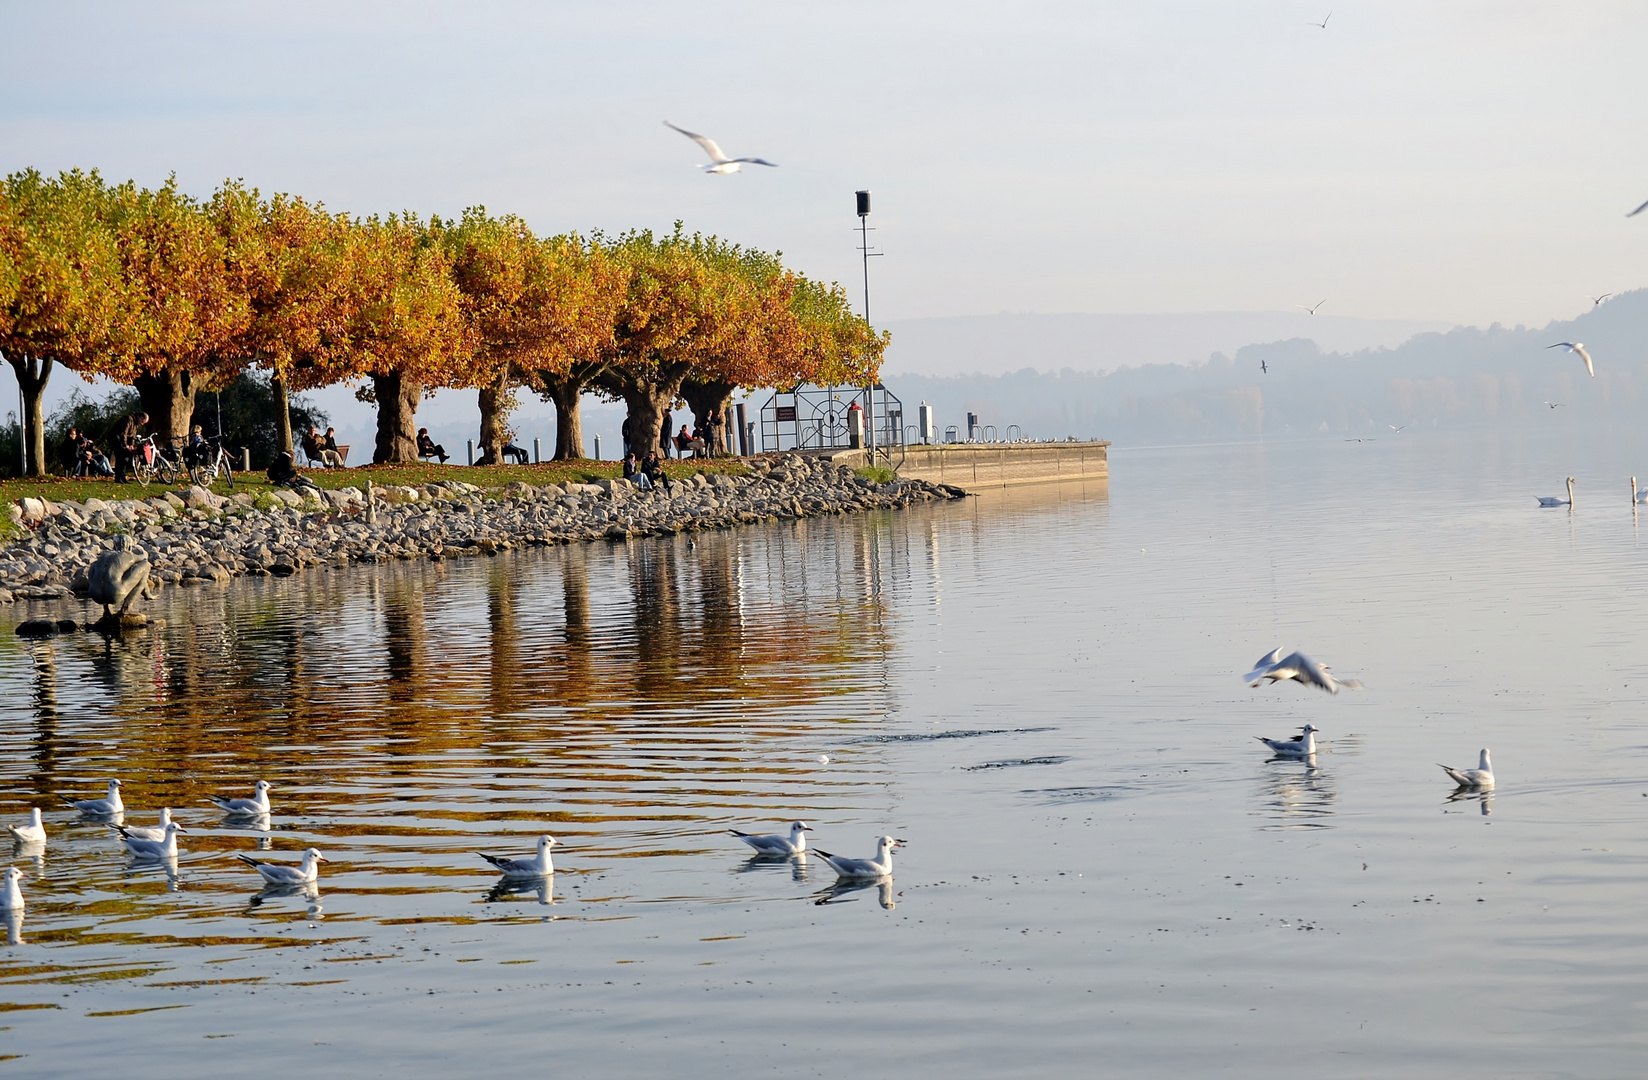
[1580, 349]
[707, 143]
[766, 845]
[1263, 665]
[755, 161]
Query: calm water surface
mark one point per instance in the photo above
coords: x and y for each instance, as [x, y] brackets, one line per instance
[1037, 690]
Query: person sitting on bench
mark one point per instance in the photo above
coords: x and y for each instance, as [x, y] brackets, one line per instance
[427, 447]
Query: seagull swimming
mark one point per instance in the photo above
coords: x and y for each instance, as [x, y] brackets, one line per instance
[148, 832]
[11, 897]
[537, 866]
[1479, 777]
[778, 844]
[35, 831]
[1275, 667]
[145, 848]
[1552, 500]
[279, 874]
[256, 806]
[1576, 347]
[878, 867]
[1302, 745]
[719, 162]
[107, 807]
[1311, 310]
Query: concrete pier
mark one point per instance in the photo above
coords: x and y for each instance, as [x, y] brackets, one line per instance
[979, 466]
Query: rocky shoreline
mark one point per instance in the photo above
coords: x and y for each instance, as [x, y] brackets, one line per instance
[197, 537]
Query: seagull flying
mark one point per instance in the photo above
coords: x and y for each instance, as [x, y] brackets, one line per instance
[1319, 303]
[539, 865]
[778, 844]
[106, 807]
[1393, 427]
[879, 867]
[1324, 23]
[1552, 500]
[1479, 777]
[1576, 347]
[1301, 745]
[35, 831]
[256, 806]
[1596, 301]
[1638, 210]
[1264, 368]
[1275, 667]
[1555, 404]
[278, 874]
[719, 162]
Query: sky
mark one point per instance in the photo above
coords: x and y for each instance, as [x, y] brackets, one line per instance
[1462, 162]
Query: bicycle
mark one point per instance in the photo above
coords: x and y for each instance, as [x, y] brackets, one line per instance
[150, 463]
[217, 462]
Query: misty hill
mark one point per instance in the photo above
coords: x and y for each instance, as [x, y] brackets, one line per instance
[1005, 343]
[1465, 376]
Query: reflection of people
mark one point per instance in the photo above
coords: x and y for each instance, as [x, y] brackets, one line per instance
[427, 446]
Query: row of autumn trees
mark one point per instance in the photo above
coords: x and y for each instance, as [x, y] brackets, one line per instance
[172, 294]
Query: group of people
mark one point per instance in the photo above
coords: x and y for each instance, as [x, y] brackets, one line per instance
[647, 473]
[700, 439]
[323, 448]
[81, 456]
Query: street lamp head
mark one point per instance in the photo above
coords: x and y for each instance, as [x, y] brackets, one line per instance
[863, 203]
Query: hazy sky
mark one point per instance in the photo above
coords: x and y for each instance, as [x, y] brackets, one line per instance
[1468, 162]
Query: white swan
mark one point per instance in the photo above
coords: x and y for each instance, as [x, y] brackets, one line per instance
[256, 806]
[1275, 667]
[105, 807]
[1552, 500]
[538, 866]
[32, 833]
[1637, 497]
[11, 897]
[1576, 347]
[1479, 777]
[1301, 745]
[777, 843]
[279, 874]
[879, 867]
[719, 162]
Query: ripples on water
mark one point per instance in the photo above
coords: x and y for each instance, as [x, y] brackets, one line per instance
[1037, 689]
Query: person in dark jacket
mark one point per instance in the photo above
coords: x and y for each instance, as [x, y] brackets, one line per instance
[427, 447]
[126, 438]
[664, 435]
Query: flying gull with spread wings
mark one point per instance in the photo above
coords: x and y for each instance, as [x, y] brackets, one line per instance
[719, 162]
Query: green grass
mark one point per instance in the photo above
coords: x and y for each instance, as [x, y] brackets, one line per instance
[878, 474]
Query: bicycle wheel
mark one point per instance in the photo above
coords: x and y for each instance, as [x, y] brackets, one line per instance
[201, 475]
[165, 470]
[143, 471]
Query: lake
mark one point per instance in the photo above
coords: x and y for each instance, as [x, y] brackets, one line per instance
[1039, 690]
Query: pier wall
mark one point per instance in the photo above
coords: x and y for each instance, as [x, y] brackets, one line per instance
[978, 466]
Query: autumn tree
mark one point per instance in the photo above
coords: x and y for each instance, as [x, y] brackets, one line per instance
[591, 287]
[186, 309]
[61, 291]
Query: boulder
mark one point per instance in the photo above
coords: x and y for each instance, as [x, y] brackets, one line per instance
[199, 498]
[34, 510]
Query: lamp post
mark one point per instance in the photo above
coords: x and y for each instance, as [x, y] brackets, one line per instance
[863, 198]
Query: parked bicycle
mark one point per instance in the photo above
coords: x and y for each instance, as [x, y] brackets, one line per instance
[214, 461]
[151, 462]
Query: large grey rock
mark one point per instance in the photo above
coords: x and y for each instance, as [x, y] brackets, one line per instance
[116, 578]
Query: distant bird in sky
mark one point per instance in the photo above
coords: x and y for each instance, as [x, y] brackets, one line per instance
[1324, 23]
[1638, 210]
[1311, 310]
[1264, 368]
[1301, 745]
[1555, 404]
[1596, 301]
[1393, 427]
[1552, 500]
[1275, 667]
[1479, 777]
[1576, 347]
[719, 162]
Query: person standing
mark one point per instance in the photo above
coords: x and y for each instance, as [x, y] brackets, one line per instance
[664, 434]
[127, 436]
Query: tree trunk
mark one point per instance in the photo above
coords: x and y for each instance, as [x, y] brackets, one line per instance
[32, 373]
[283, 417]
[169, 399]
[709, 399]
[565, 391]
[648, 398]
[397, 398]
[494, 402]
